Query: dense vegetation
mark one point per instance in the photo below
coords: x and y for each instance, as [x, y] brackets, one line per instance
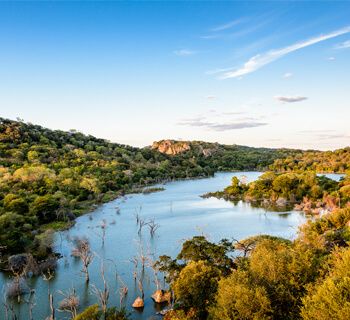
[322, 162]
[265, 277]
[222, 157]
[47, 177]
[303, 190]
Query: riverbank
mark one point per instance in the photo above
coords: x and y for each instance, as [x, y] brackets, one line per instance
[308, 192]
[180, 214]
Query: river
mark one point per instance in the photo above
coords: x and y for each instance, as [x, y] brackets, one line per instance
[180, 212]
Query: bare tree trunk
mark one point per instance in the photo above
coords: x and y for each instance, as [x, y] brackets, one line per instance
[52, 317]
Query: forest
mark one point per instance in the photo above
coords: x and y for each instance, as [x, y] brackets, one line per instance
[265, 277]
[49, 177]
[322, 162]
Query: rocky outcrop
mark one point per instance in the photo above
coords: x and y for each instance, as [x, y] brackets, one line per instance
[138, 303]
[171, 147]
[161, 296]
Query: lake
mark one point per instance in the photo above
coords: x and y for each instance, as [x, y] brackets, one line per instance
[181, 214]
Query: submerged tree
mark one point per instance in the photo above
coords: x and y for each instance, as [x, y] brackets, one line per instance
[83, 251]
[102, 295]
[70, 302]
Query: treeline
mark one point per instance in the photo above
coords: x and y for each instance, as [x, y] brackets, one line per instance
[222, 157]
[302, 190]
[265, 277]
[48, 177]
[322, 162]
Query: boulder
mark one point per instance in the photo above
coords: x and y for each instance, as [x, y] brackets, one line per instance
[161, 296]
[138, 303]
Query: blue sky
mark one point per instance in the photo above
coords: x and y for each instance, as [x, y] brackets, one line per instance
[272, 74]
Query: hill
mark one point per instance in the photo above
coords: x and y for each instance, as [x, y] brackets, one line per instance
[48, 177]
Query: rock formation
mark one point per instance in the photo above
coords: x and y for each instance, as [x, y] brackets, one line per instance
[138, 303]
[171, 147]
[161, 296]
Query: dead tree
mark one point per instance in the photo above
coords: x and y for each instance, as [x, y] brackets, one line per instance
[141, 257]
[20, 265]
[141, 288]
[142, 223]
[245, 246]
[103, 229]
[82, 250]
[47, 276]
[102, 295]
[135, 262]
[31, 304]
[137, 215]
[52, 308]
[123, 291]
[155, 269]
[70, 303]
[153, 227]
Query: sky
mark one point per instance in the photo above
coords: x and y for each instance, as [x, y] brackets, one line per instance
[256, 73]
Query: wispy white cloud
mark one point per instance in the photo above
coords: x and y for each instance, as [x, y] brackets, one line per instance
[287, 75]
[228, 25]
[223, 121]
[331, 58]
[290, 99]
[343, 45]
[260, 60]
[184, 52]
[217, 126]
[326, 134]
[211, 97]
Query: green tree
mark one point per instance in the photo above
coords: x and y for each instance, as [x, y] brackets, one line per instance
[199, 248]
[238, 298]
[196, 287]
[45, 208]
[330, 298]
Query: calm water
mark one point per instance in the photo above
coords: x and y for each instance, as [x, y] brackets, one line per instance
[181, 214]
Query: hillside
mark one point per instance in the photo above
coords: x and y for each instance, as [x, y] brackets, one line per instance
[48, 177]
[222, 157]
[328, 161]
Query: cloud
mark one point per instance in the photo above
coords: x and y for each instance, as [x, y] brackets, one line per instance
[226, 26]
[217, 126]
[184, 52]
[211, 97]
[287, 75]
[332, 136]
[325, 134]
[343, 45]
[260, 60]
[331, 58]
[290, 99]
